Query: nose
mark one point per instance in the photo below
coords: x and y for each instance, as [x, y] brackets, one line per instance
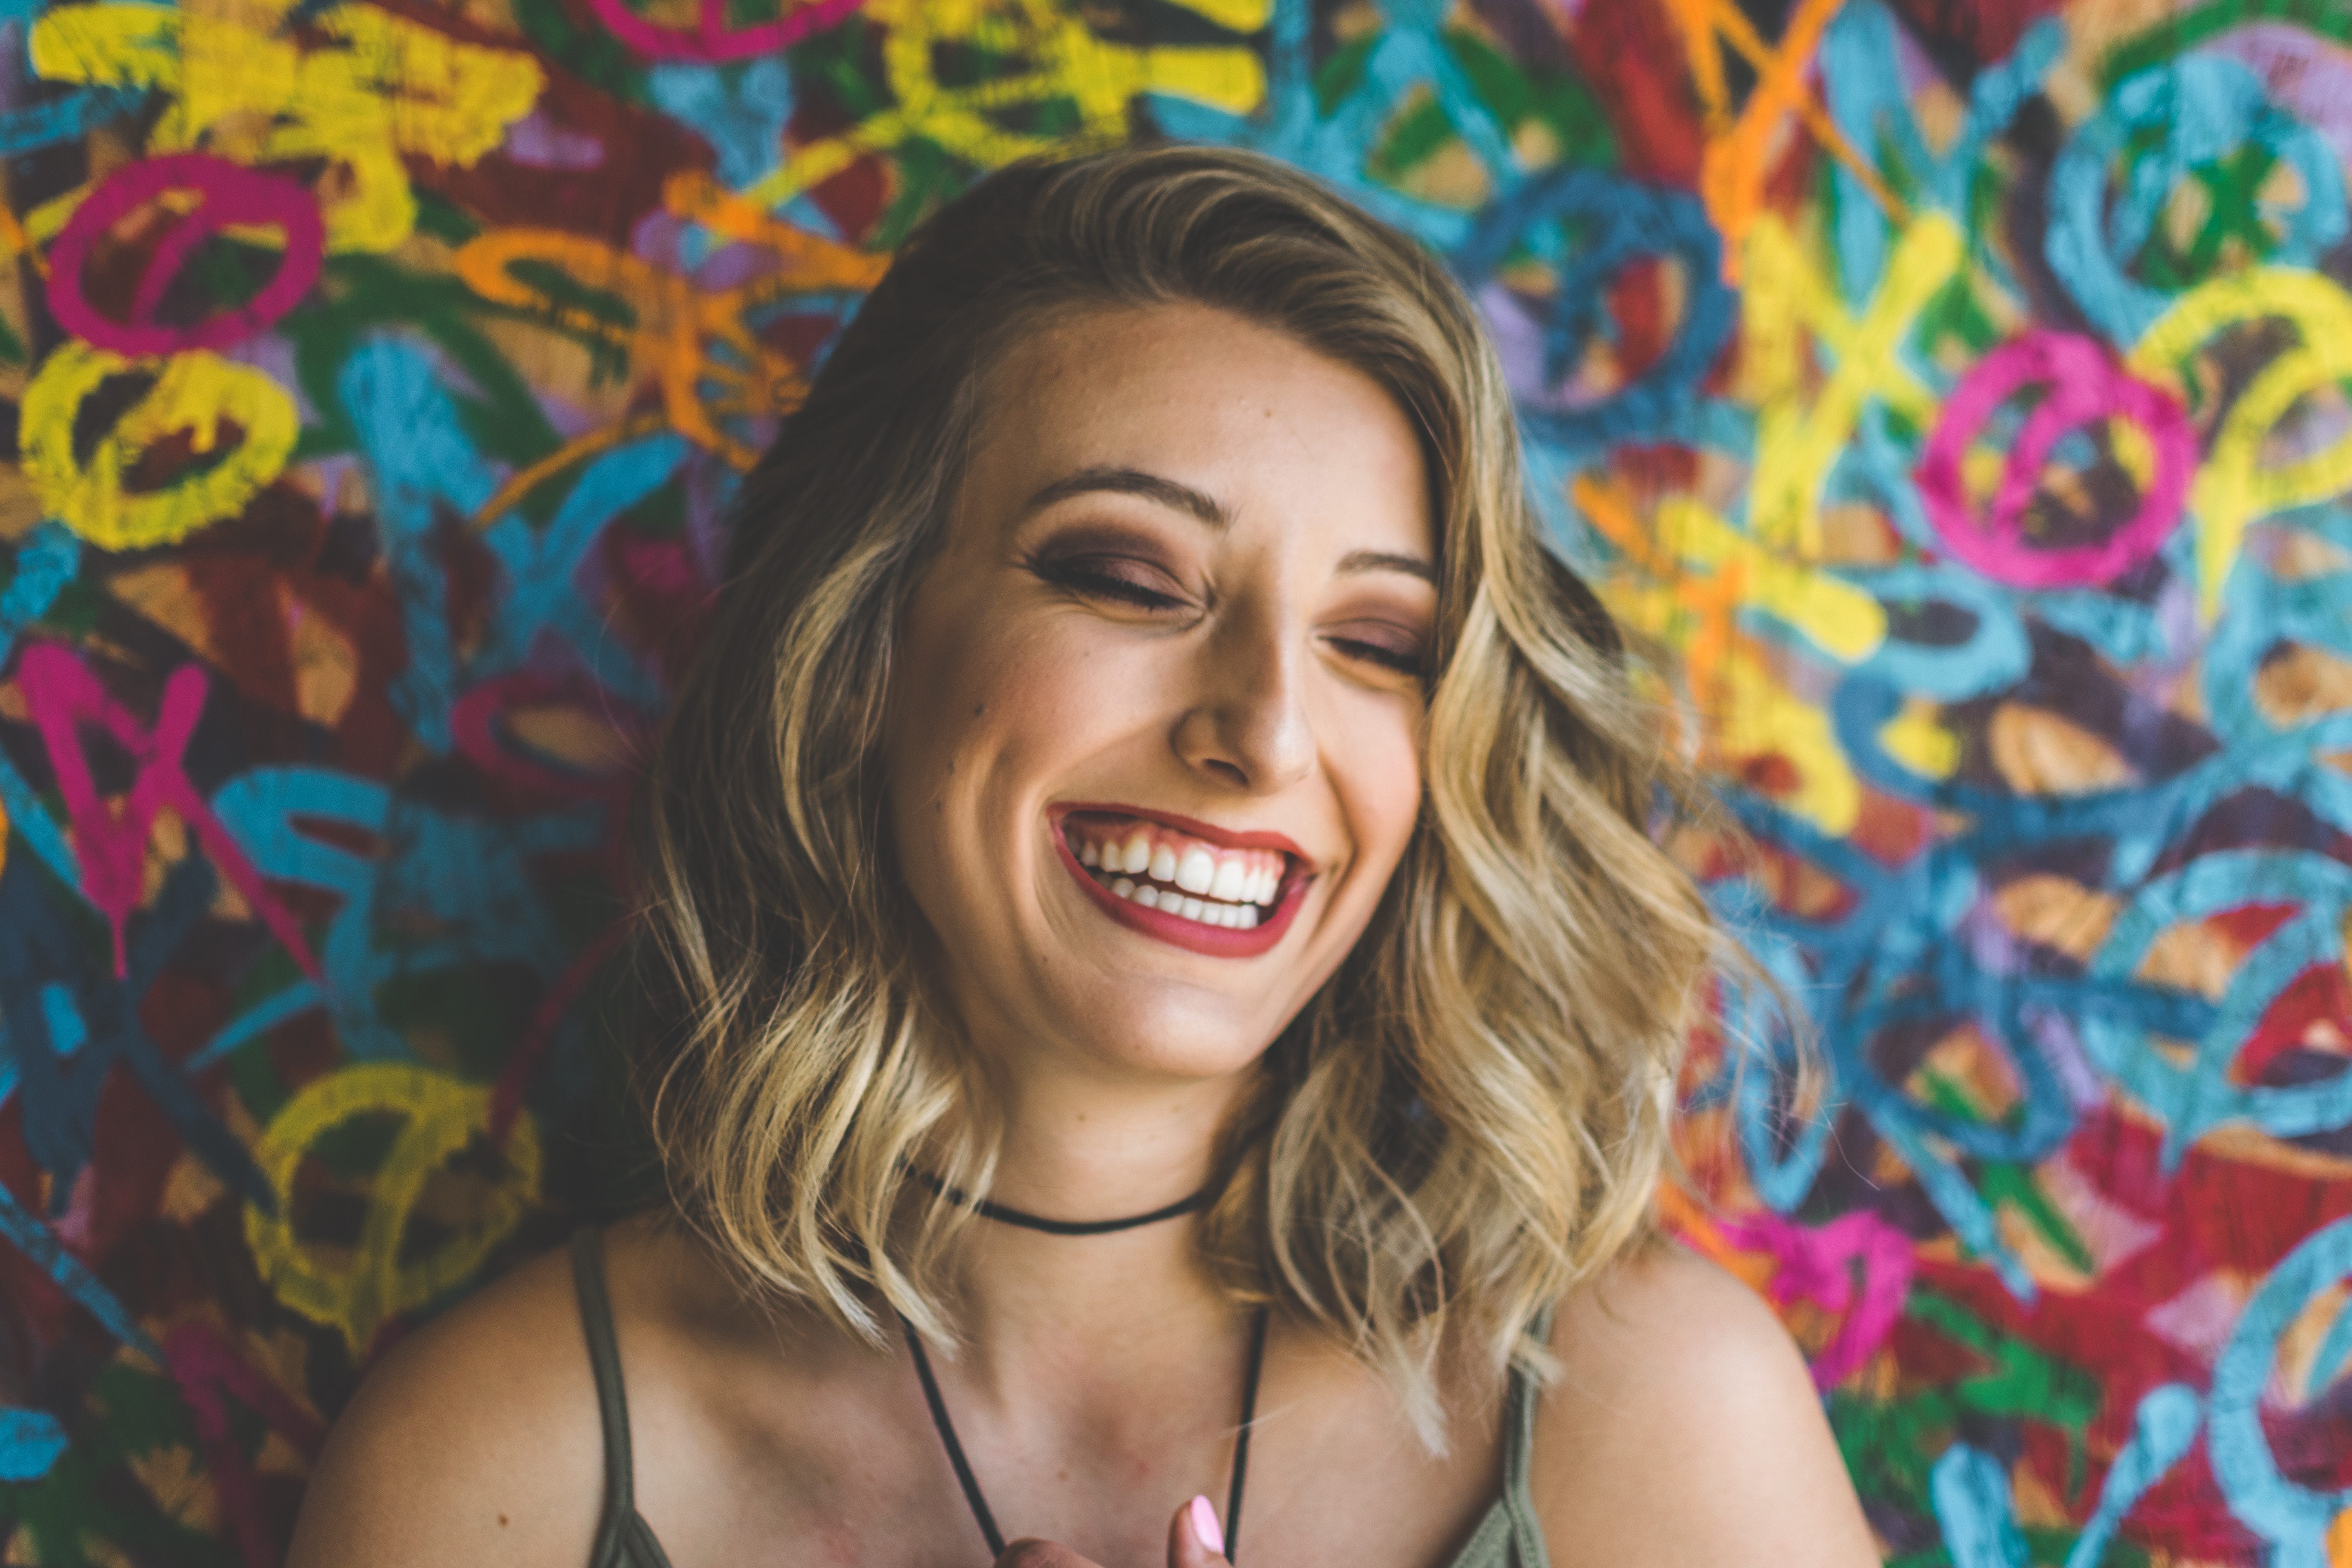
[1249, 726]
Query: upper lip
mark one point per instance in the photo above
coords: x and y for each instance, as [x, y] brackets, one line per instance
[1208, 832]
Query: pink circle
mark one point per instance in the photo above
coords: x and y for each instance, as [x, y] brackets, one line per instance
[2083, 385]
[233, 194]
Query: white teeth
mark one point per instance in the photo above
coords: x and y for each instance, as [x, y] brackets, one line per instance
[1206, 911]
[1234, 890]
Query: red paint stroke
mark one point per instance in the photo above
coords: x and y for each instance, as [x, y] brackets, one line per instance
[232, 195]
[713, 42]
[506, 1098]
[205, 1368]
[1637, 302]
[2315, 1004]
[63, 695]
[1856, 1267]
[2083, 386]
[1631, 53]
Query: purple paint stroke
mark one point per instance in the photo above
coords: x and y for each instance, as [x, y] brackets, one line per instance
[63, 695]
[2300, 72]
[233, 194]
[536, 142]
[2082, 386]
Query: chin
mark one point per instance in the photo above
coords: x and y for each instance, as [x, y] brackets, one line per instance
[1173, 1037]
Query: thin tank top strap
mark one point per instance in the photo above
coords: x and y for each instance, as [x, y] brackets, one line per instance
[612, 1399]
[1518, 1453]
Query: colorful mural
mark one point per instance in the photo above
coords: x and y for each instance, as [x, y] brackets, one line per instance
[1955, 392]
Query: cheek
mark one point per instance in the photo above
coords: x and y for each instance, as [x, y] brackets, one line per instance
[991, 713]
[1381, 792]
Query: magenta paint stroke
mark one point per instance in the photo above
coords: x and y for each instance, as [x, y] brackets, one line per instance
[63, 694]
[713, 42]
[2081, 386]
[1857, 1268]
[477, 726]
[206, 1367]
[232, 195]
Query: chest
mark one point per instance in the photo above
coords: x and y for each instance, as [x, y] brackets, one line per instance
[860, 1478]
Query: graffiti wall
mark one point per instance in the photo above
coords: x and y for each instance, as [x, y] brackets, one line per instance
[1955, 392]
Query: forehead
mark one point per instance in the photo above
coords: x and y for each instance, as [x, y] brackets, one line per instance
[1270, 428]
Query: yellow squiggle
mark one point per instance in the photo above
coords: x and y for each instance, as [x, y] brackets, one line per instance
[1692, 570]
[1833, 615]
[442, 1116]
[194, 392]
[1798, 438]
[1068, 61]
[2231, 488]
[393, 87]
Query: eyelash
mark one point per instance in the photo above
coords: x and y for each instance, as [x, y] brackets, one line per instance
[1075, 576]
[1386, 657]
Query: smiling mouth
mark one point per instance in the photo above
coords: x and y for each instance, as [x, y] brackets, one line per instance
[1156, 867]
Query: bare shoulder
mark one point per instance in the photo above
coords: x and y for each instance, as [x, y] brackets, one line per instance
[1684, 1428]
[476, 1440]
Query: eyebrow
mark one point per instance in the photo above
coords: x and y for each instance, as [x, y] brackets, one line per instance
[1166, 491]
[1208, 509]
[1382, 561]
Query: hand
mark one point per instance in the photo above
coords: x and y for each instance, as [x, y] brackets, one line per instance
[1186, 1547]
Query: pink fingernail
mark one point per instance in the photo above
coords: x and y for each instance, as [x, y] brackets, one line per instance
[1204, 1526]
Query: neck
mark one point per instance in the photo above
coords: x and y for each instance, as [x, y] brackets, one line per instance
[1083, 1151]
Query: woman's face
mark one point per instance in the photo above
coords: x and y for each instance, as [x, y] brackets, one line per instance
[1154, 737]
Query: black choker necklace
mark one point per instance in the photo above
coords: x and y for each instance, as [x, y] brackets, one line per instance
[1002, 1215]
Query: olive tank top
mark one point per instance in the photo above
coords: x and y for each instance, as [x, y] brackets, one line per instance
[1507, 1535]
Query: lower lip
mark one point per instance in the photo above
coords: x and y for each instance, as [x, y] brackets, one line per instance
[1217, 942]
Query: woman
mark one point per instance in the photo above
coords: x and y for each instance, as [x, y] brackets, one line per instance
[1180, 991]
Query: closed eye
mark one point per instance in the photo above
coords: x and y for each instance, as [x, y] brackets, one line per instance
[1403, 660]
[1106, 577]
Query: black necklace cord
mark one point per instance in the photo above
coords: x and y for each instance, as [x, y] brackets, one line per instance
[971, 1483]
[1003, 1215]
[964, 1477]
[1240, 1437]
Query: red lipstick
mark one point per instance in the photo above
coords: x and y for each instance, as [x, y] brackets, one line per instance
[1217, 942]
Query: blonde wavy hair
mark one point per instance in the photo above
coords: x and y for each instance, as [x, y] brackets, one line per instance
[1467, 1121]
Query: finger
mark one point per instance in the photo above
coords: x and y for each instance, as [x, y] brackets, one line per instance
[1195, 1539]
[1033, 1553]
